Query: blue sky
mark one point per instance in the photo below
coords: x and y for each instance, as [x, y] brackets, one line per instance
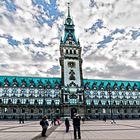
[109, 34]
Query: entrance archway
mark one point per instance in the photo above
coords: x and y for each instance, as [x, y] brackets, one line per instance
[73, 111]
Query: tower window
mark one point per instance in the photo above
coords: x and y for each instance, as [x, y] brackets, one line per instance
[72, 75]
[80, 98]
[74, 51]
[70, 51]
[66, 98]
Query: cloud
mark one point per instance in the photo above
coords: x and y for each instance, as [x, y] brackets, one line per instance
[108, 30]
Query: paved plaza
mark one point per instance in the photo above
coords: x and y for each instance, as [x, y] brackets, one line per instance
[90, 130]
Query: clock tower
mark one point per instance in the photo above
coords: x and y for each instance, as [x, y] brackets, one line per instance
[71, 65]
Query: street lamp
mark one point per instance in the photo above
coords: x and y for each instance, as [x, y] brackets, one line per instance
[43, 100]
[111, 112]
[84, 101]
[62, 101]
[110, 96]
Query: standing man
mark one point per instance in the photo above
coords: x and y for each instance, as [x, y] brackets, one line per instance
[44, 123]
[76, 126]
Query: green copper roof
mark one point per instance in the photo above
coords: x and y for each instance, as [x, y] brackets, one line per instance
[53, 81]
[69, 29]
[112, 82]
[28, 79]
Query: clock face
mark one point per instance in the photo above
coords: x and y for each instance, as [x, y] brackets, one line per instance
[71, 64]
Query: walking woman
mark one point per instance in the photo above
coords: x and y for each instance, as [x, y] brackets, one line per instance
[67, 124]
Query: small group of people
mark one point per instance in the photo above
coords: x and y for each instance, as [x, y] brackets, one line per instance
[55, 120]
[21, 119]
[76, 125]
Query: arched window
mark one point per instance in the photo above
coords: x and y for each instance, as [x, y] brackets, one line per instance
[114, 103]
[80, 98]
[107, 103]
[70, 51]
[66, 98]
[57, 110]
[14, 110]
[66, 51]
[74, 51]
[23, 110]
[9, 101]
[5, 110]
[100, 103]
[89, 110]
[40, 111]
[35, 102]
[32, 111]
[18, 101]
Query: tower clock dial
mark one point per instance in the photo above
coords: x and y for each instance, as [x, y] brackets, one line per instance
[71, 64]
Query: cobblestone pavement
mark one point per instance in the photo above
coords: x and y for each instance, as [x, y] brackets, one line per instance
[12, 130]
[90, 130]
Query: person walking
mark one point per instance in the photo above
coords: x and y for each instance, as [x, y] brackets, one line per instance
[76, 125]
[67, 124]
[44, 123]
[20, 119]
[54, 121]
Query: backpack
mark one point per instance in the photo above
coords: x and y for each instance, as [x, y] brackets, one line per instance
[42, 122]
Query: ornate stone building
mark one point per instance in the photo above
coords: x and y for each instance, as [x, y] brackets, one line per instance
[33, 97]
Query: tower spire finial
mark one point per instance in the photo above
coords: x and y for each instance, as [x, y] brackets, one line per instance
[68, 9]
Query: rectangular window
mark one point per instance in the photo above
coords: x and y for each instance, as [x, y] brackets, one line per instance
[66, 98]
[88, 102]
[73, 101]
[57, 102]
[80, 98]
[40, 101]
[5, 100]
[49, 102]
[23, 101]
[32, 101]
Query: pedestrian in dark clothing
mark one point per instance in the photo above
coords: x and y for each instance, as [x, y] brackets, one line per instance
[54, 121]
[67, 124]
[44, 123]
[76, 125]
[20, 119]
[104, 118]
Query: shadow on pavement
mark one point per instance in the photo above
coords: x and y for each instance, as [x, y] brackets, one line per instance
[49, 131]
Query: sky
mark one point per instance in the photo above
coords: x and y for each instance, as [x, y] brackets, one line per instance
[108, 30]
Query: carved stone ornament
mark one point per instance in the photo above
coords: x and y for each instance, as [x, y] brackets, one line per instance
[73, 96]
